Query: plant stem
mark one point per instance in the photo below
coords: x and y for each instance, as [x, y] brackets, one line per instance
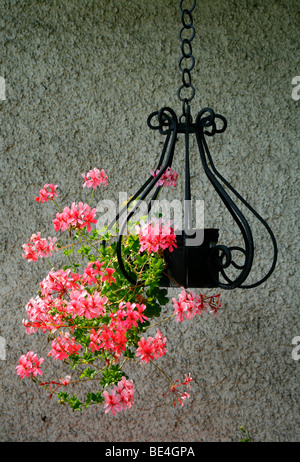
[89, 242]
[49, 262]
[56, 205]
[161, 371]
[70, 235]
[91, 197]
[159, 322]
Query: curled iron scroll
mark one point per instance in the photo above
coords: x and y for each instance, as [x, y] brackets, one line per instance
[204, 122]
[167, 120]
[167, 125]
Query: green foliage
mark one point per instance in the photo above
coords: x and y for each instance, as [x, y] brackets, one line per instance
[88, 372]
[112, 375]
[73, 401]
[94, 398]
[245, 430]
[84, 250]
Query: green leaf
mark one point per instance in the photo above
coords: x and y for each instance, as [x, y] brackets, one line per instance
[162, 296]
[111, 376]
[88, 372]
[96, 397]
[75, 360]
[84, 250]
[63, 397]
[153, 310]
[75, 403]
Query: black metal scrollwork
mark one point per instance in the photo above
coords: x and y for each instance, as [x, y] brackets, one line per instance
[167, 120]
[202, 123]
[207, 124]
[167, 125]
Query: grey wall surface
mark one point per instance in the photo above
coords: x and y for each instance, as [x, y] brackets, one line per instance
[81, 79]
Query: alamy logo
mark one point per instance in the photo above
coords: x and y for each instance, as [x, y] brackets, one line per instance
[177, 212]
[296, 89]
[2, 88]
[2, 348]
[296, 352]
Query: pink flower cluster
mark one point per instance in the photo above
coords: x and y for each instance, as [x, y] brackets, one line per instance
[29, 364]
[65, 292]
[129, 314]
[155, 235]
[189, 305]
[168, 178]
[39, 247]
[120, 398]
[64, 297]
[46, 193]
[83, 304]
[78, 216]
[94, 275]
[62, 347]
[112, 337]
[60, 282]
[153, 347]
[179, 395]
[38, 316]
[94, 178]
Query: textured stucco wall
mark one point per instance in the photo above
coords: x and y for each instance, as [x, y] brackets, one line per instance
[81, 78]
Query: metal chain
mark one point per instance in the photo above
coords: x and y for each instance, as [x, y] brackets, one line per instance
[187, 60]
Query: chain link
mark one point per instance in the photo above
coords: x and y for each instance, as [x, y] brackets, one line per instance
[187, 60]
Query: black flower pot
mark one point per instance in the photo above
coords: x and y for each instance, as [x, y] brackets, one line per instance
[192, 266]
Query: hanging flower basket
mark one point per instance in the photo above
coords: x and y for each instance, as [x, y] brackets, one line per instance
[97, 308]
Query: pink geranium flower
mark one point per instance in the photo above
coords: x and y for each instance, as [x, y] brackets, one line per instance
[47, 193]
[126, 392]
[152, 347]
[79, 216]
[94, 305]
[168, 178]
[89, 218]
[108, 277]
[145, 349]
[187, 380]
[29, 364]
[38, 247]
[94, 178]
[120, 398]
[179, 395]
[93, 272]
[63, 347]
[66, 380]
[190, 304]
[155, 236]
[112, 402]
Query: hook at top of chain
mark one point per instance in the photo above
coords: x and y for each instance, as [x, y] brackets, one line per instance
[186, 91]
